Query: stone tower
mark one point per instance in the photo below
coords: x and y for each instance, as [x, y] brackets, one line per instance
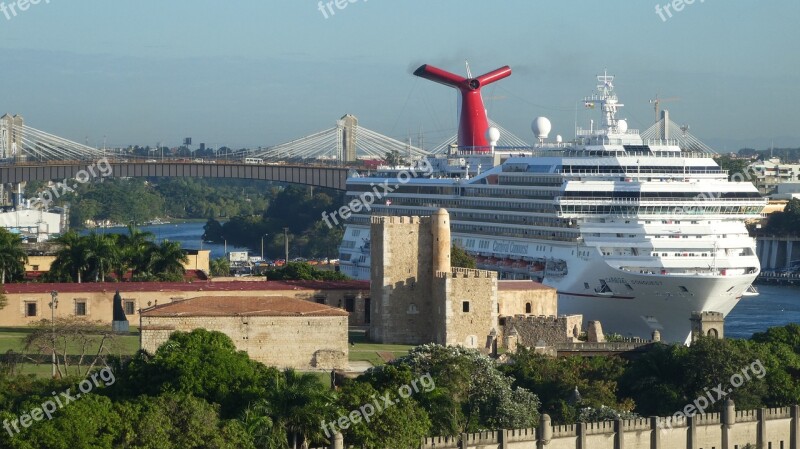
[347, 127]
[440, 232]
[417, 297]
[709, 324]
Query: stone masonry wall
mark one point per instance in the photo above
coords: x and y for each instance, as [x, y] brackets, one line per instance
[99, 304]
[302, 343]
[542, 301]
[401, 305]
[550, 329]
[466, 307]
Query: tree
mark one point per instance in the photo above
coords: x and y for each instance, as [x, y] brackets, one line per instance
[460, 258]
[64, 336]
[138, 251]
[90, 422]
[200, 363]
[73, 259]
[168, 261]
[220, 267]
[102, 254]
[178, 421]
[554, 381]
[260, 427]
[469, 393]
[299, 404]
[212, 231]
[393, 158]
[12, 256]
[401, 426]
[301, 271]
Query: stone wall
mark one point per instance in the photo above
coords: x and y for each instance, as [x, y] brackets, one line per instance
[517, 301]
[466, 307]
[764, 428]
[550, 329]
[99, 300]
[302, 343]
[401, 273]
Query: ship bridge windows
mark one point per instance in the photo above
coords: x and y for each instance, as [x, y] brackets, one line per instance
[542, 168]
[638, 148]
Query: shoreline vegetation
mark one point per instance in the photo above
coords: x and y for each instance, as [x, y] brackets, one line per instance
[199, 377]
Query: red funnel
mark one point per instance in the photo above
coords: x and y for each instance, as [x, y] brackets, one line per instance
[473, 122]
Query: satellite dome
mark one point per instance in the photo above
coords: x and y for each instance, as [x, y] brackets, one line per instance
[493, 135]
[622, 126]
[559, 139]
[541, 127]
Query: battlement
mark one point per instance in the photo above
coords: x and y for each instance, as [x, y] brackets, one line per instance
[398, 219]
[466, 273]
[633, 433]
[708, 314]
[746, 415]
[636, 424]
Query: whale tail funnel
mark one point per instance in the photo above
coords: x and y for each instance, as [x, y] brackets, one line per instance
[473, 122]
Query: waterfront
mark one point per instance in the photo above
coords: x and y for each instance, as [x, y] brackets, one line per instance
[189, 235]
[775, 306]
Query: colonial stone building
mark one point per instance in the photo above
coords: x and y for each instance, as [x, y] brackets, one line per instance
[28, 303]
[277, 331]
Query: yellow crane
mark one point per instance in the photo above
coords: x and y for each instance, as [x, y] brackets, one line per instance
[656, 102]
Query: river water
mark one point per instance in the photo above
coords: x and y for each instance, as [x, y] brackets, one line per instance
[775, 306]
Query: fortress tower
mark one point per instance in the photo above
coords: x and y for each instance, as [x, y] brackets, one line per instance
[417, 296]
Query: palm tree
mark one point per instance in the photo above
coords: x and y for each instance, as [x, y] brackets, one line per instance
[169, 259]
[103, 254]
[300, 403]
[73, 257]
[12, 256]
[257, 422]
[137, 250]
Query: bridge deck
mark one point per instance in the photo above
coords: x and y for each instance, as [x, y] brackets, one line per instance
[317, 176]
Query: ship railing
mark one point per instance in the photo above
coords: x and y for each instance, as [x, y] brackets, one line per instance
[607, 200]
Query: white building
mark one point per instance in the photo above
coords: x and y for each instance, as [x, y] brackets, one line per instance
[31, 223]
[786, 191]
[771, 173]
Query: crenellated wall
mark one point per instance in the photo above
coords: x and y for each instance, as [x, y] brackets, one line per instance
[774, 428]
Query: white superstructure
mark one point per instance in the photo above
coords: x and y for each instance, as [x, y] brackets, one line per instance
[637, 234]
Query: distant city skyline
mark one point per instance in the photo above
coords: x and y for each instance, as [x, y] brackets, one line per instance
[259, 73]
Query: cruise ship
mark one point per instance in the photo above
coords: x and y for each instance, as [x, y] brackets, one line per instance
[635, 233]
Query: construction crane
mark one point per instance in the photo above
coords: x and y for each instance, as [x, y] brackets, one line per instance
[656, 102]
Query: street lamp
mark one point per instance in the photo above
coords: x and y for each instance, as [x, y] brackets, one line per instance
[53, 306]
[286, 244]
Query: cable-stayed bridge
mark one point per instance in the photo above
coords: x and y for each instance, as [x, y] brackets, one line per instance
[666, 129]
[19, 141]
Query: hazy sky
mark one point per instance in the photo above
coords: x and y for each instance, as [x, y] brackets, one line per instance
[261, 72]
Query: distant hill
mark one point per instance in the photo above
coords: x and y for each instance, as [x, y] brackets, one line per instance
[787, 155]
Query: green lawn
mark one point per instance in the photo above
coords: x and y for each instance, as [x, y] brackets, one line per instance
[360, 350]
[11, 339]
[363, 350]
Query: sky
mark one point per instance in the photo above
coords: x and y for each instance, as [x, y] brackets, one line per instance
[255, 73]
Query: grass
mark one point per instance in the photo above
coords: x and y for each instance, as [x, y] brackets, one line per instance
[362, 350]
[11, 338]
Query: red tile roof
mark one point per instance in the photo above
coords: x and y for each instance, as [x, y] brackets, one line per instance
[185, 286]
[242, 306]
